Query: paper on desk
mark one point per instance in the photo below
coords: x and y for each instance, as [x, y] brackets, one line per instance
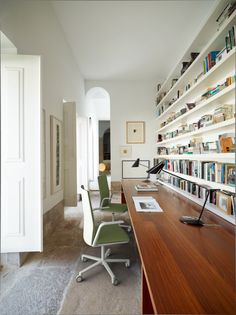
[146, 204]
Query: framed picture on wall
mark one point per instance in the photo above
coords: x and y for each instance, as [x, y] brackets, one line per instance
[126, 151]
[135, 132]
[56, 154]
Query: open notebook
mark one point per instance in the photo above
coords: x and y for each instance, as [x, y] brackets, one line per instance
[146, 204]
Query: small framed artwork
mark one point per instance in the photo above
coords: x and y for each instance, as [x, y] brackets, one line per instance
[223, 202]
[135, 132]
[56, 154]
[126, 151]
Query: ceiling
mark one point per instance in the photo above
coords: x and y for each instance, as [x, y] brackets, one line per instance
[130, 40]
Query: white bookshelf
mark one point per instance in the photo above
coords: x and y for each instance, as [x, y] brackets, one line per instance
[216, 41]
[216, 157]
[225, 65]
[216, 75]
[200, 181]
[219, 97]
[199, 201]
[220, 126]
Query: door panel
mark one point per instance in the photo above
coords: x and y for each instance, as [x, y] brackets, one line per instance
[21, 205]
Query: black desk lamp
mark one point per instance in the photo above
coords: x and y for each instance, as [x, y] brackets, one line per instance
[136, 164]
[185, 219]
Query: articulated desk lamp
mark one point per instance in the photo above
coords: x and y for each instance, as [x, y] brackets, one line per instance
[185, 219]
[153, 170]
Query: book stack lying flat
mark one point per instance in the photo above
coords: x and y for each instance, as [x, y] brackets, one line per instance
[146, 187]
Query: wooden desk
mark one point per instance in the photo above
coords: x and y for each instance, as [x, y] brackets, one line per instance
[185, 269]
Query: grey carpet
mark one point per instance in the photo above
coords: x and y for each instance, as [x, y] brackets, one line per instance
[45, 284]
[97, 295]
[39, 292]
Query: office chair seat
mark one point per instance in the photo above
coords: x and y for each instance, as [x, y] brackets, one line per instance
[112, 234]
[105, 200]
[106, 233]
[115, 207]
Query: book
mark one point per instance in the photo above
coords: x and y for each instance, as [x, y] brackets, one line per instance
[146, 204]
[146, 187]
[211, 58]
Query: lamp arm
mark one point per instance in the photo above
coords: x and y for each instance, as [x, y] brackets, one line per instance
[143, 165]
[207, 195]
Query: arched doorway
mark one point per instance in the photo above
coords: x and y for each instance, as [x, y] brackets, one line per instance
[99, 153]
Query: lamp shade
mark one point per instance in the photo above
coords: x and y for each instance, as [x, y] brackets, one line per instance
[157, 168]
[136, 163]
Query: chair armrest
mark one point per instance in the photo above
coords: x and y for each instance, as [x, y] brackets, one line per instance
[101, 226]
[104, 199]
[100, 208]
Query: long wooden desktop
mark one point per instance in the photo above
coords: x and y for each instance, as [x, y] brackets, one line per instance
[185, 269]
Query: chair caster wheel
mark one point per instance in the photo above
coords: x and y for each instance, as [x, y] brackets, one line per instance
[79, 278]
[127, 264]
[84, 259]
[108, 252]
[115, 281]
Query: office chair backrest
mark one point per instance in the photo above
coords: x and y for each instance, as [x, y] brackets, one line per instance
[89, 226]
[104, 189]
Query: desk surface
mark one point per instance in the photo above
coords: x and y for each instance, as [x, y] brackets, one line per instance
[188, 269]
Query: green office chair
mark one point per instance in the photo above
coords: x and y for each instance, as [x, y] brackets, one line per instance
[106, 234]
[105, 200]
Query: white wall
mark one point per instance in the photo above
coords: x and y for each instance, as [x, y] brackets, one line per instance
[130, 100]
[33, 28]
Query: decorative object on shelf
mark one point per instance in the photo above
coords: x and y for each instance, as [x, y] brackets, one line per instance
[190, 105]
[135, 132]
[221, 55]
[126, 151]
[223, 202]
[158, 87]
[185, 65]
[173, 82]
[226, 143]
[194, 56]
[56, 154]
[205, 121]
[226, 110]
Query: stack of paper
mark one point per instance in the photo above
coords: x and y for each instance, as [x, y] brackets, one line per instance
[146, 187]
[146, 204]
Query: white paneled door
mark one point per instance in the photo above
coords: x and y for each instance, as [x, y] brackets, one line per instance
[21, 199]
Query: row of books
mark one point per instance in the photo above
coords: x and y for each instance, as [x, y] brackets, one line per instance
[224, 144]
[210, 60]
[222, 201]
[223, 173]
[183, 166]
